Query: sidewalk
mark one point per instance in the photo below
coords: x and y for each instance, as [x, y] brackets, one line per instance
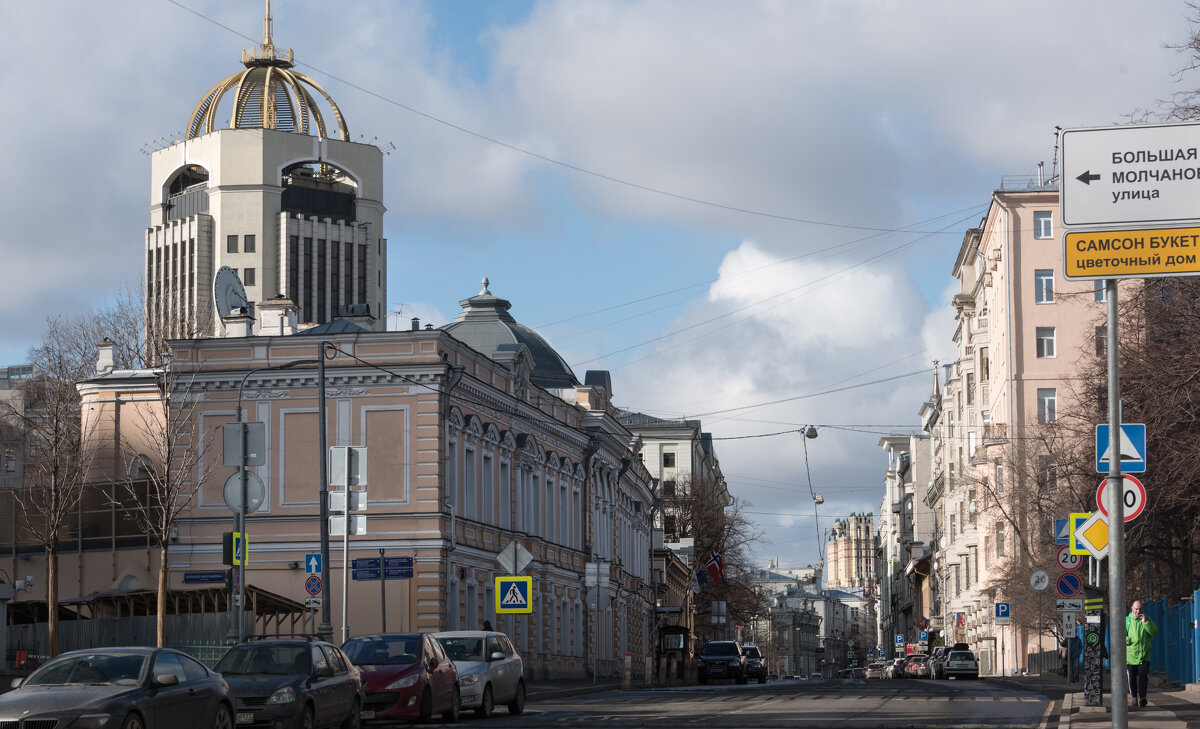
[1174, 708]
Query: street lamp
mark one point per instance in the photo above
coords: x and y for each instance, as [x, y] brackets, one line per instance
[239, 514]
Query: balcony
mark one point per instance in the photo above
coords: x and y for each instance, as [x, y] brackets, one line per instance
[995, 434]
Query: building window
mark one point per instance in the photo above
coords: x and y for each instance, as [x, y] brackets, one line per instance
[248, 244]
[1043, 286]
[668, 488]
[1041, 224]
[1000, 540]
[1101, 341]
[970, 388]
[248, 277]
[984, 364]
[668, 459]
[231, 244]
[1045, 342]
[1047, 404]
[999, 476]
[1101, 292]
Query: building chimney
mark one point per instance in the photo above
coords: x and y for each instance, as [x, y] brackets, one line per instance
[238, 323]
[105, 357]
[279, 317]
[416, 324]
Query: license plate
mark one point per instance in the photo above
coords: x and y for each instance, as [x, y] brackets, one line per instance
[367, 714]
[245, 717]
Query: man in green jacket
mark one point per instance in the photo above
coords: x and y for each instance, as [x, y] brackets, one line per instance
[1139, 631]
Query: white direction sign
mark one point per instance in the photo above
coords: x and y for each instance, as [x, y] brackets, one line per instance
[1039, 580]
[1131, 174]
[1068, 623]
[1068, 561]
[1069, 604]
[514, 558]
[1134, 497]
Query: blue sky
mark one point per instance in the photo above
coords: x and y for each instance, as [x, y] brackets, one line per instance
[722, 203]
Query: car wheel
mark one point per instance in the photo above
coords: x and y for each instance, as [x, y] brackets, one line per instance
[426, 710]
[133, 721]
[224, 719]
[703, 679]
[450, 716]
[486, 704]
[742, 679]
[517, 705]
[309, 721]
[354, 719]
[762, 678]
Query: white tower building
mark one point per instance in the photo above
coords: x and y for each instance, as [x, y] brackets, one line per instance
[294, 212]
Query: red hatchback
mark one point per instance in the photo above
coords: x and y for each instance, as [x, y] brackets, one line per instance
[404, 676]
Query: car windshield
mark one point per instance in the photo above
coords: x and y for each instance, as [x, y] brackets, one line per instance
[719, 649]
[463, 649]
[383, 650]
[751, 652]
[282, 660]
[92, 668]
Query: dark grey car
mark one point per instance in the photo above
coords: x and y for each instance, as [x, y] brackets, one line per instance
[120, 688]
[292, 683]
[721, 659]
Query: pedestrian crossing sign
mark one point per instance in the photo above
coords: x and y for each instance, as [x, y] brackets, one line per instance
[514, 595]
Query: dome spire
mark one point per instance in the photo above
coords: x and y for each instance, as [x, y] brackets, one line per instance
[268, 94]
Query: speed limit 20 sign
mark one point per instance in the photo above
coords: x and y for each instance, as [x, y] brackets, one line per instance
[1068, 561]
[1134, 495]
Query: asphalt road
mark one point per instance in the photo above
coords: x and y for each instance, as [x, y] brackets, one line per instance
[830, 703]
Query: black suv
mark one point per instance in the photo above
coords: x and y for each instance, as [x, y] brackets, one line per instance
[722, 659]
[755, 666]
[298, 683]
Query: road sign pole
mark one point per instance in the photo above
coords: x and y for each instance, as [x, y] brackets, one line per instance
[382, 592]
[1116, 525]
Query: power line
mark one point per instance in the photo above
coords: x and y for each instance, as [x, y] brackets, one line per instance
[551, 160]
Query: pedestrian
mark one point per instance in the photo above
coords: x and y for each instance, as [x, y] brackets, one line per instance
[487, 625]
[1139, 631]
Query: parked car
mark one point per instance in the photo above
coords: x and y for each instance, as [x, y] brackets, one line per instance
[962, 664]
[721, 659]
[120, 688]
[917, 666]
[490, 670]
[755, 668]
[815, 677]
[894, 668]
[292, 682]
[405, 676]
[874, 670]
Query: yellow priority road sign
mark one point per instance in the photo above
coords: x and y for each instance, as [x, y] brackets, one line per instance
[1074, 522]
[514, 595]
[1131, 253]
[1093, 535]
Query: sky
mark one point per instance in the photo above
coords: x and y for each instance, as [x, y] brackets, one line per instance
[747, 212]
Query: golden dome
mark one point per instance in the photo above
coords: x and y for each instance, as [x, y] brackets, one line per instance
[268, 95]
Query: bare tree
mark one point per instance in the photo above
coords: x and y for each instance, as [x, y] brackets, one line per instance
[1185, 104]
[698, 509]
[48, 419]
[158, 441]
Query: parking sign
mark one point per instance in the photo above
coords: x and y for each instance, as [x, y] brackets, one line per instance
[1003, 614]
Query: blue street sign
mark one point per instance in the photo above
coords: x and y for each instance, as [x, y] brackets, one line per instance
[312, 563]
[899, 640]
[398, 563]
[365, 563]
[397, 573]
[1133, 448]
[1003, 610]
[882, 653]
[922, 636]
[366, 574]
[195, 577]
[1061, 534]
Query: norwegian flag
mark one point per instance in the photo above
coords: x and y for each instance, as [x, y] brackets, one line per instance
[715, 566]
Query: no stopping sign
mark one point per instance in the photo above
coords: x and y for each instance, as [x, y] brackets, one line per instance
[1134, 495]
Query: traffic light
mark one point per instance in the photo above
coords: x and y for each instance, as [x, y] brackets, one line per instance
[227, 548]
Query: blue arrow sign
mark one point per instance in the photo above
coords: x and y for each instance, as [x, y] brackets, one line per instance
[312, 563]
